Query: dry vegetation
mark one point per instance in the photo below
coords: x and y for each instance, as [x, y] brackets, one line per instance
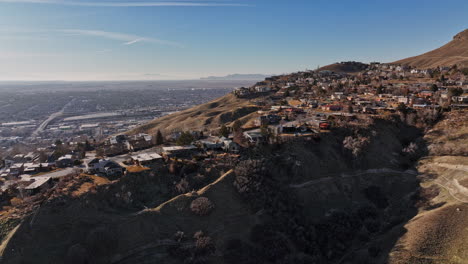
[205, 117]
[301, 202]
[454, 52]
[438, 233]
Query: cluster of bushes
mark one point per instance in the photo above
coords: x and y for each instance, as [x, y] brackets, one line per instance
[448, 149]
[414, 150]
[423, 118]
[249, 176]
[273, 241]
[194, 251]
[6, 225]
[285, 234]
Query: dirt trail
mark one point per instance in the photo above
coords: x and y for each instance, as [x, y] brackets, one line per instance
[357, 174]
[456, 190]
[4, 244]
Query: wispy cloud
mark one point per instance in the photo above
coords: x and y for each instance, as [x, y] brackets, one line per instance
[133, 41]
[127, 39]
[187, 3]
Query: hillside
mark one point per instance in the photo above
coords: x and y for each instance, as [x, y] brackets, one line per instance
[203, 117]
[438, 233]
[325, 210]
[454, 52]
[345, 67]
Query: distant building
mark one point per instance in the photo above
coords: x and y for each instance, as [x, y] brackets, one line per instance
[403, 99]
[332, 107]
[262, 89]
[241, 92]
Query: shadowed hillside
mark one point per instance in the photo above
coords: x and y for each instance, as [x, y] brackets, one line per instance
[454, 52]
[345, 67]
[303, 202]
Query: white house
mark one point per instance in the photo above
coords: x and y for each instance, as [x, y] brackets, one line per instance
[106, 167]
[262, 89]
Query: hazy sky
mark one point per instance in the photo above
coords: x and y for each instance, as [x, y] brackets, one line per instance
[170, 39]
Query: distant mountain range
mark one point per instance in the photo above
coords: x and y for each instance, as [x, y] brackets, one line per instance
[454, 52]
[233, 77]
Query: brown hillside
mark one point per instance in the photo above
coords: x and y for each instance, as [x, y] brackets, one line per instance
[438, 233]
[454, 52]
[203, 117]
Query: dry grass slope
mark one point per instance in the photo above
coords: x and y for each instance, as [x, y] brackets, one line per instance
[454, 52]
[203, 117]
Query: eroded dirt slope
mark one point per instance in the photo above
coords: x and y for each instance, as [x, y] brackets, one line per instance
[439, 233]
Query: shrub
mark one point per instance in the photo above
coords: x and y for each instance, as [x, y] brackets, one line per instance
[179, 236]
[202, 206]
[186, 138]
[355, 144]
[182, 186]
[224, 131]
[16, 201]
[411, 149]
[249, 176]
[203, 244]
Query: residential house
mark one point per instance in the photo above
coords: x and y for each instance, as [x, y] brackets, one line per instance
[106, 167]
[140, 142]
[179, 151]
[332, 107]
[211, 143]
[230, 146]
[38, 184]
[403, 99]
[426, 94]
[64, 161]
[147, 158]
[254, 136]
[16, 169]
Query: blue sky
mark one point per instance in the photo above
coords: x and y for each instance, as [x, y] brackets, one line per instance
[171, 39]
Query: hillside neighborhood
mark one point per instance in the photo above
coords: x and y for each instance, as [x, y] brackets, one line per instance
[296, 106]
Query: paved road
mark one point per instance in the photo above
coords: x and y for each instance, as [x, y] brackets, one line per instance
[51, 118]
[44, 124]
